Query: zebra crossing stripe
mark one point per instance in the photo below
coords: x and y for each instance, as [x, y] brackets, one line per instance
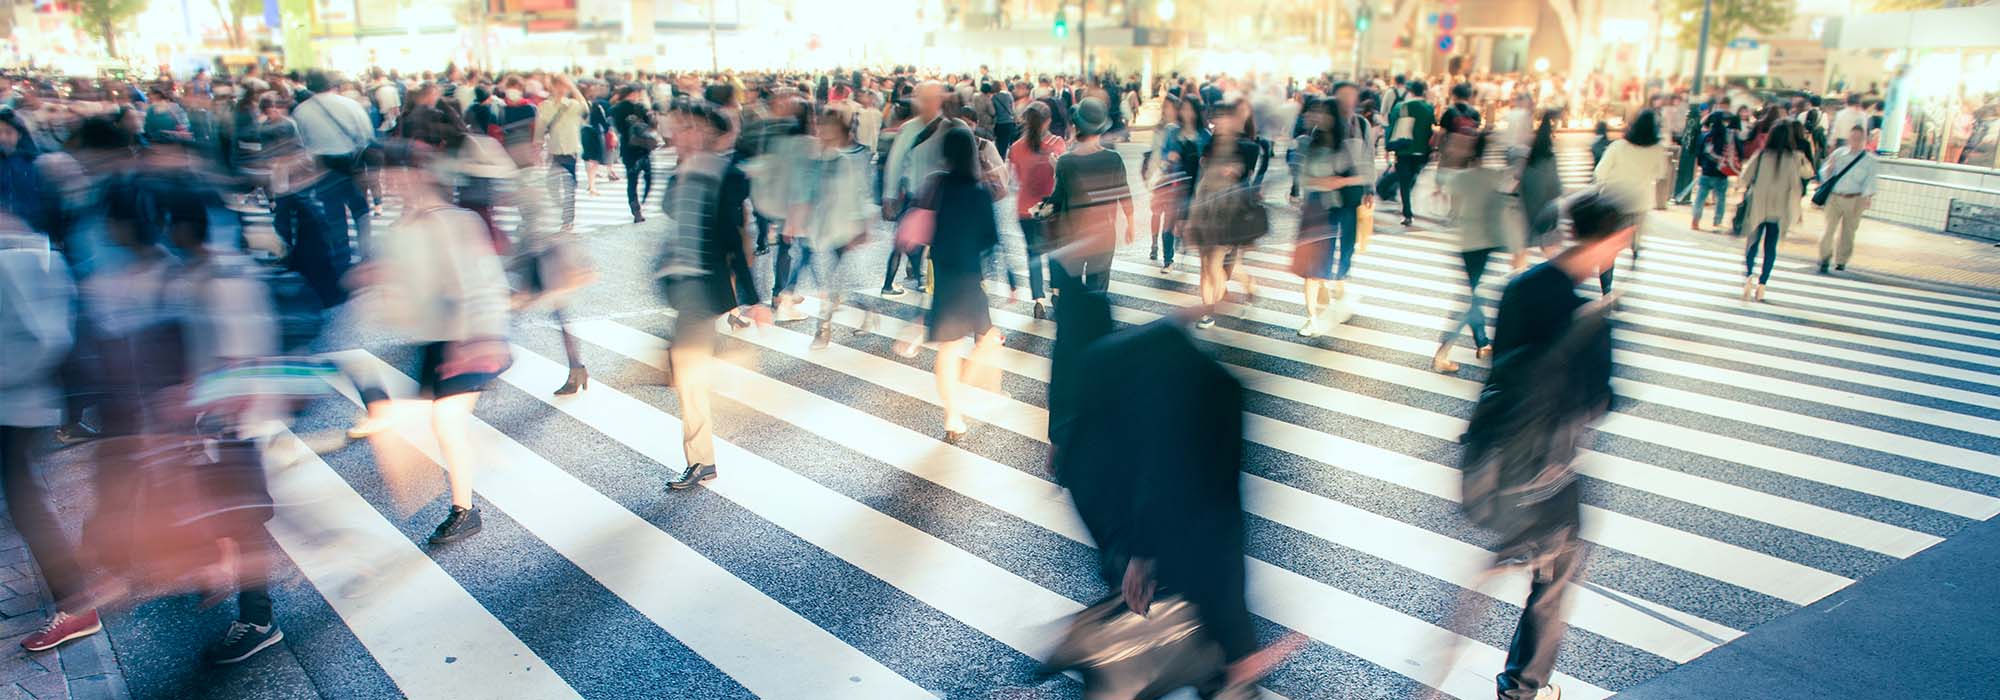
[1729, 449]
[984, 596]
[1695, 253]
[1832, 431]
[1723, 497]
[1703, 556]
[428, 634]
[574, 519]
[1679, 316]
[1358, 626]
[1726, 298]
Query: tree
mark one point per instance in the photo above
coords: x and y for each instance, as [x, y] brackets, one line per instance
[232, 12]
[1731, 19]
[101, 18]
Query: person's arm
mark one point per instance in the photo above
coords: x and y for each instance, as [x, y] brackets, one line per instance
[545, 114]
[1826, 170]
[1866, 171]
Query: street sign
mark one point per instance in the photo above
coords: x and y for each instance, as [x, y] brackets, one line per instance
[1448, 22]
[1445, 42]
[1743, 43]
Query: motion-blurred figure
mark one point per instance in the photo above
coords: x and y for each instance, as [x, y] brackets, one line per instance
[1551, 378]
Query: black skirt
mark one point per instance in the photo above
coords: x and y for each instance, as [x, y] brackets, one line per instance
[958, 308]
[593, 145]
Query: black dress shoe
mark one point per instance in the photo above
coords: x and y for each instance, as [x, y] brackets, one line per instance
[1822, 267]
[692, 476]
[459, 524]
[1041, 311]
[952, 437]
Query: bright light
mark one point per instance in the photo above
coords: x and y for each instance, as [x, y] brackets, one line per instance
[1623, 30]
[1165, 10]
[1541, 65]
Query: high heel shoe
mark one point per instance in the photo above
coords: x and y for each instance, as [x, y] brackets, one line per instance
[579, 379]
[1749, 287]
[1759, 296]
[1041, 310]
[1485, 352]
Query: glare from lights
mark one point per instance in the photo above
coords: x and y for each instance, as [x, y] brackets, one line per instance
[1165, 10]
[1541, 65]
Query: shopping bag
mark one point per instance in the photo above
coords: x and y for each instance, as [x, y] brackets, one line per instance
[1121, 654]
[1364, 227]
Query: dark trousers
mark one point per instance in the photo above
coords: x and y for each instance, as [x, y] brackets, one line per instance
[29, 504]
[1091, 274]
[319, 258]
[340, 201]
[1407, 168]
[1004, 136]
[562, 187]
[1474, 317]
[1767, 235]
[1346, 224]
[1531, 656]
[785, 268]
[1038, 263]
[637, 165]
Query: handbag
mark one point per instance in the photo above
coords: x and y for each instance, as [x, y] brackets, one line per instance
[1308, 256]
[1121, 654]
[1364, 227]
[1825, 190]
[1404, 131]
[914, 229]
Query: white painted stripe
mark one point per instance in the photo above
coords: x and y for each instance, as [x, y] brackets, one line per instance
[1391, 640]
[1884, 484]
[984, 596]
[401, 606]
[1677, 262]
[1683, 400]
[629, 556]
[1729, 315]
[1728, 498]
[1694, 250]
[1738, 566]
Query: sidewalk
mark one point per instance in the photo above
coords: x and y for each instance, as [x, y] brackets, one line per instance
[84, 669]
[1883, 251]
[1923, 628]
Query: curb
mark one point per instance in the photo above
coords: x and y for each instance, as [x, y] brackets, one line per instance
[91, 667]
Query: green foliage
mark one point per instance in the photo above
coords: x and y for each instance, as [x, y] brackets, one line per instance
[232, 12]
[1731, 19]
[101, 19]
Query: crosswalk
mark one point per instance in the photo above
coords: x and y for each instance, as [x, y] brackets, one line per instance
[1760, 458]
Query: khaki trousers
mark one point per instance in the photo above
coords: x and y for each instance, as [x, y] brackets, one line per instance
[1843, 217]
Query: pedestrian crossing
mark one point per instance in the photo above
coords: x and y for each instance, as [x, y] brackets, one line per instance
[1761, 457]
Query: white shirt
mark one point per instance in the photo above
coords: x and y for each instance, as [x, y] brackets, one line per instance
[332, 125]
[1860, 180]
[1845, 120]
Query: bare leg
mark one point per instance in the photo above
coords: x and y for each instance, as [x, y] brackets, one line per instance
[448, 420]
[948, 367]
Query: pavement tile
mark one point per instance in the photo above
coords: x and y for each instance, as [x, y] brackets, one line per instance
[19, 605]
[47, 686]
[16, 665]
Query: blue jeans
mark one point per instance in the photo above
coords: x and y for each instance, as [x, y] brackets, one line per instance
[1718, 184]
[1346, 222]
[1031, 238]
[1474, 317]
[340, 200]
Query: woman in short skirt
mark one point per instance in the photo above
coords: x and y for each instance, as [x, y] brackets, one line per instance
[965, 232]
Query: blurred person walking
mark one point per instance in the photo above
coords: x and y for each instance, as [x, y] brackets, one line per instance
[1632, 166]
[1033, 160]
[953, 216]
[1848, 180]
[637, 137]
[336, 130]
[1481, 225]
[1178, 168]
[1091, 191]
[1774, 184]
[704, 269]
[1551, 378]
[1410, 126]
[1339, 174]
[597, 139]
[559, 122]
[832, 213]
[36, 321]
[1227, 213]
[911, 160]
[1540, 187]
[439, 283]
[1716, 156]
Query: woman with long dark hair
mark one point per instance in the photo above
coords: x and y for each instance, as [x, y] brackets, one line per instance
[1181, 150]
[963, 232]
[1229, 162]
[1334, 167]
[1632, 167]
[1033, 159]
[1540, 187]
[1774, 181]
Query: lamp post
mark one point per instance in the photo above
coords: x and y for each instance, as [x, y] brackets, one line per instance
[1691, 134]
[714, 59]
[1083, 40]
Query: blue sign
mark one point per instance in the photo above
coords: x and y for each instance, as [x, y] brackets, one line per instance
[1743, 43]
[1448, 22]
[1445, 42]
[1431, 18]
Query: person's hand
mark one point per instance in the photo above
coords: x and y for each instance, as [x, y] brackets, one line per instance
[1368, 200]
[1139, 586]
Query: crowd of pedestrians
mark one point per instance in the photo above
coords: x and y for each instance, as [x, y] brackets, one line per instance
[144, 320]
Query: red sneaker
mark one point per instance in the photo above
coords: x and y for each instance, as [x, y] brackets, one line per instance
[62, 628]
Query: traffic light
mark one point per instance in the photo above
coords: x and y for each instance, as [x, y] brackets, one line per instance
[1363, 18]
[1062, 23]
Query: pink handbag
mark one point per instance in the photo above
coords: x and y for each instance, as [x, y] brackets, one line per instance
[914, 230]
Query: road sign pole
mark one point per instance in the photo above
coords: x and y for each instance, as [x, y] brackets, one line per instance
[1691, 134]
[1083, 41]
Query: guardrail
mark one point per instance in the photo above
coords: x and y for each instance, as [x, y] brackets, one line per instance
[1928, 204]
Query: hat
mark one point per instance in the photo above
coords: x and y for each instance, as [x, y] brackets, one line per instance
[1090, 117]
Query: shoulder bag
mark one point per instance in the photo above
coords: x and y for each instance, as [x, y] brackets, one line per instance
[1825, 190]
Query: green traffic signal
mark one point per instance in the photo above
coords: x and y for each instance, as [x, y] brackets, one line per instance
[1062, 24]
